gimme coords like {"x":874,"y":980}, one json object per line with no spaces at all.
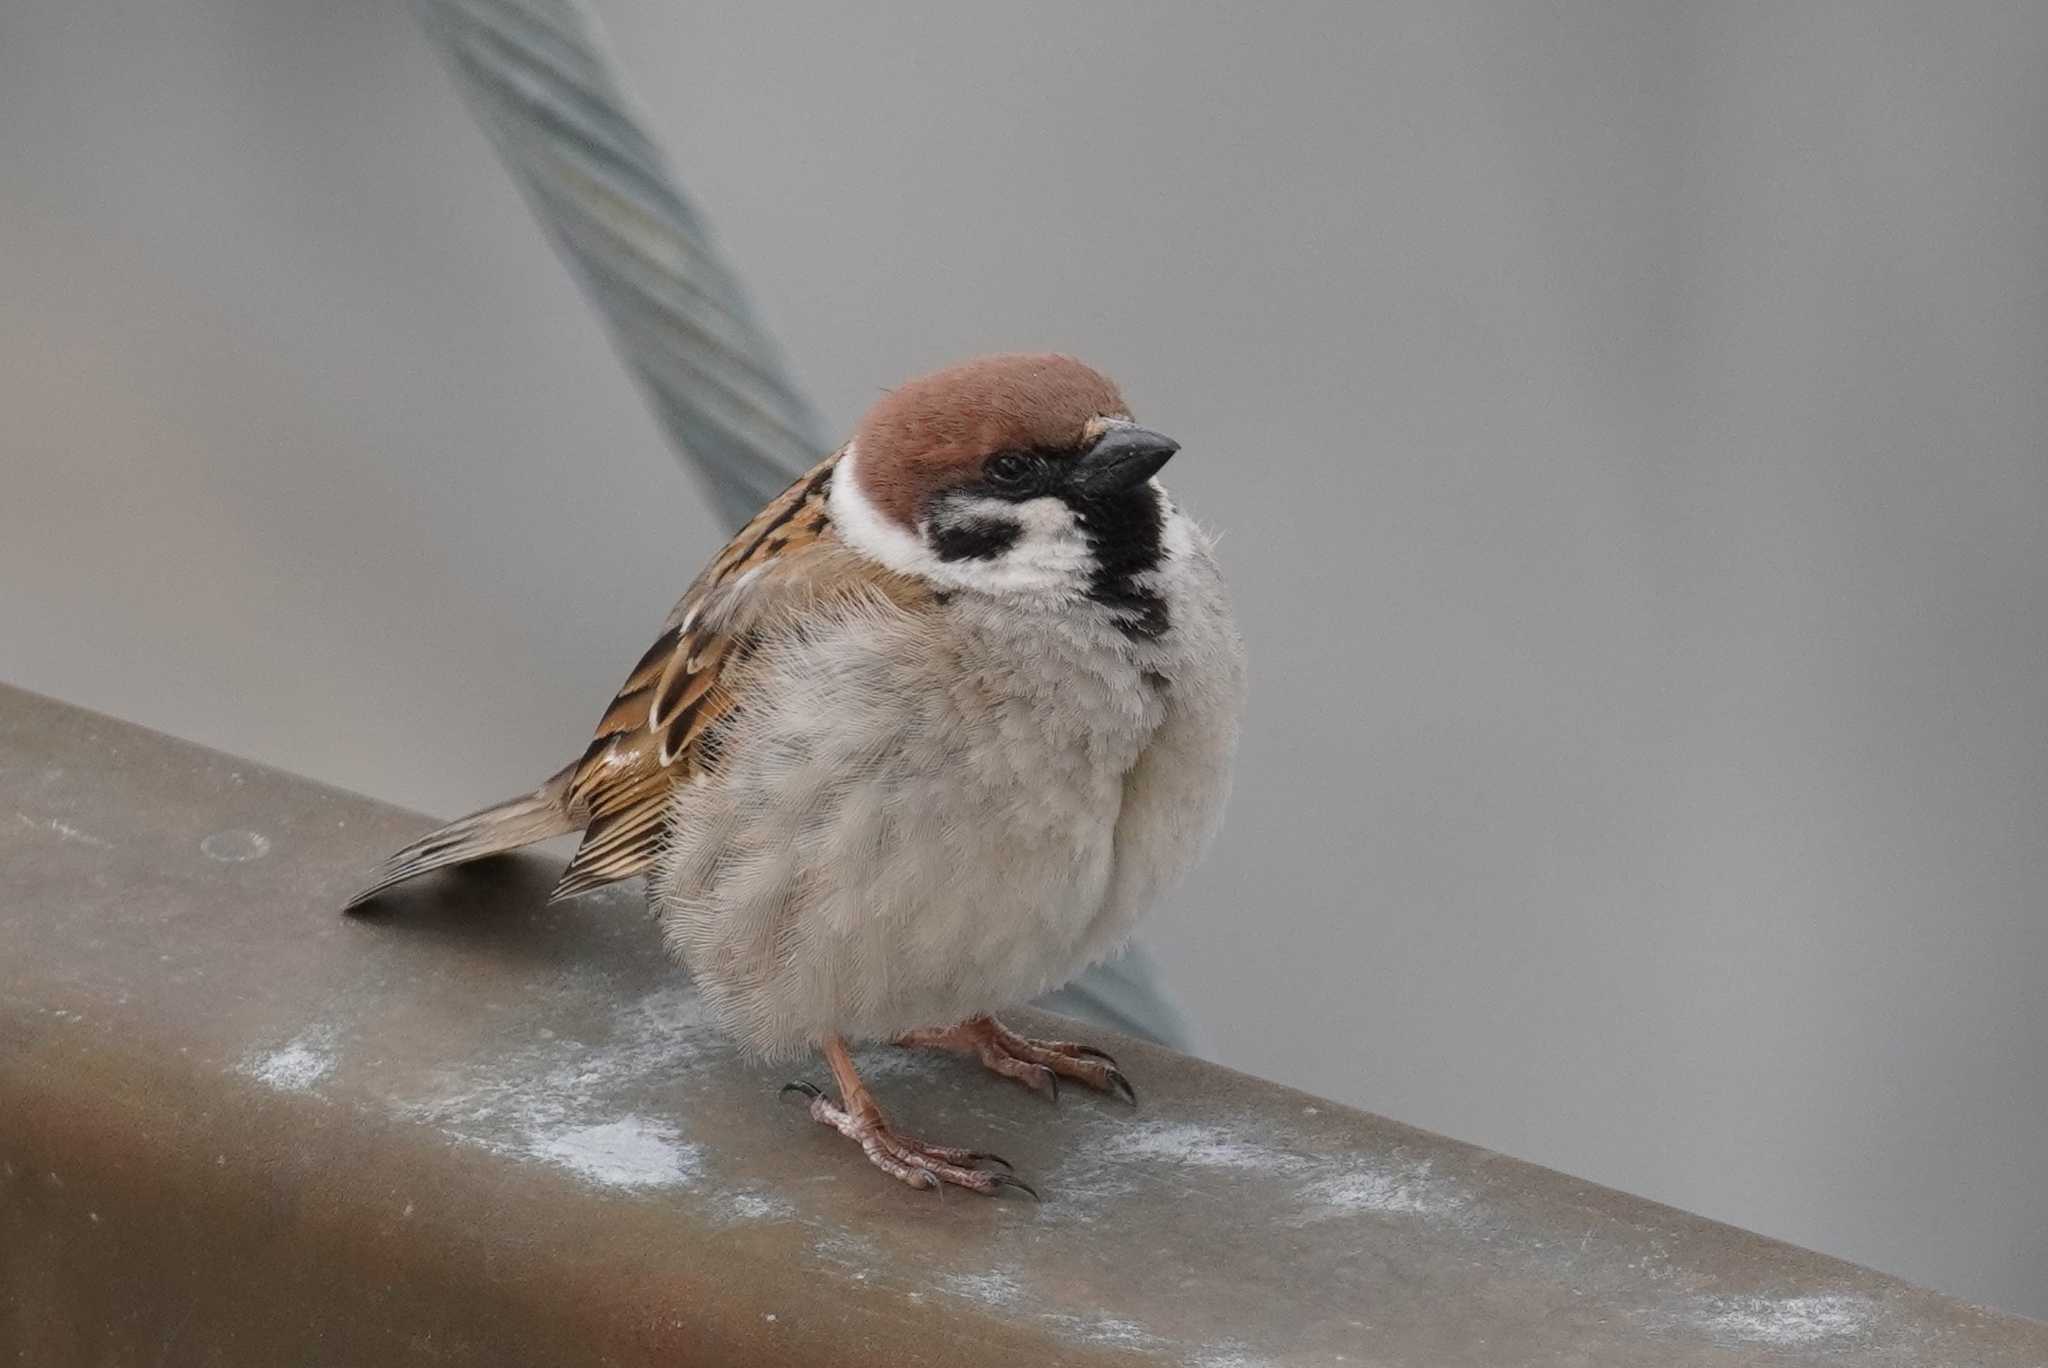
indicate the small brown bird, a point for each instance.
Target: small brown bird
{"x":922,"y":742}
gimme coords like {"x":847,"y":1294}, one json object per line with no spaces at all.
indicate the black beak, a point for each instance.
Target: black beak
{"x":1124,"y":458}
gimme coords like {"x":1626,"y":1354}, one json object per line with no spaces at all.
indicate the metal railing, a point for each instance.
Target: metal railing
{"x":237,"y":1127}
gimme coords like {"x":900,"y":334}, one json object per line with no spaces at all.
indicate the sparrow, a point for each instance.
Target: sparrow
{"x":923,"y":741}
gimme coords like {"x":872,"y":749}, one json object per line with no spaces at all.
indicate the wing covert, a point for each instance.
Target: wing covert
{"x":661,"y":727}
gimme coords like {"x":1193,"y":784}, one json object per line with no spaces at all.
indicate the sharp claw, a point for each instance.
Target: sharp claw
{"x":810,"y":1090}
{"x":1003,"y":1180}
{"x":1091,"y":1052}
{"x":1052,"y":1085}
{"x":1123,"y":1085}
{"x":978,"y":1157}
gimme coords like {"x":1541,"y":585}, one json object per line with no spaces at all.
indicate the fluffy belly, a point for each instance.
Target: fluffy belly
{"x":913,"y":826}
{"x":888,"y":849}
{"x":884,"y":903}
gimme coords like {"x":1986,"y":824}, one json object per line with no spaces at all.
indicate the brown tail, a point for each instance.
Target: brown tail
{"x":506,"y":826}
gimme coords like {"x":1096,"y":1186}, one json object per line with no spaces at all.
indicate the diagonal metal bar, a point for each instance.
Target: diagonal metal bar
{"x":536,"y":75}
{"x":540,"y":81}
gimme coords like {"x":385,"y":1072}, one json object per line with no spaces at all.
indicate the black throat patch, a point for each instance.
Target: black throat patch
{"x":1126,"y":531}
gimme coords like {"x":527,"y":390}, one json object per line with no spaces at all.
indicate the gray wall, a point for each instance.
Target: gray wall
{"x":1627,"y":423}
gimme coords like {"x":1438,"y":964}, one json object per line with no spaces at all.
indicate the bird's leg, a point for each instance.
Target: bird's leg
{"x":1037,"y":1064}
{"x":903,"y":1157}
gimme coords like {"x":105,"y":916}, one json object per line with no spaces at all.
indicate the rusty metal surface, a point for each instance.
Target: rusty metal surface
{"x":237,"y":1128}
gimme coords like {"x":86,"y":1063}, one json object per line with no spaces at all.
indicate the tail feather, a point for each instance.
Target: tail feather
{"x":505,"y":826}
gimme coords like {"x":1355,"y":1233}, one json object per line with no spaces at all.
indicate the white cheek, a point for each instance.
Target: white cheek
{"x":864,"y":528}
{"x":1051,"y":557}
{"x":1047,"y":519}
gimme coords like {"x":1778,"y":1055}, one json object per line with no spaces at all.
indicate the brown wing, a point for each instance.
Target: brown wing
{"x":662,"y":728}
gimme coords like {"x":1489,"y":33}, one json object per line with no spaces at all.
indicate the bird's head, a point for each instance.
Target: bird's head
{"x":1016,"y":474}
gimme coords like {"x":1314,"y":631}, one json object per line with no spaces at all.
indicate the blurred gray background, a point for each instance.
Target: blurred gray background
{"x":1627,"y":423}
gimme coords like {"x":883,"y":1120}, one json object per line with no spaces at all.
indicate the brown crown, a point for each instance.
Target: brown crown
{"x":934,"y":432}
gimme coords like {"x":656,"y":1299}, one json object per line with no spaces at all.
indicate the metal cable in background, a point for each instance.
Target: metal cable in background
{"x":537,"y":76}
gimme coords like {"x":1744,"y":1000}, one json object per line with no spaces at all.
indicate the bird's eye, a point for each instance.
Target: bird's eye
{"x":1009,"y":469}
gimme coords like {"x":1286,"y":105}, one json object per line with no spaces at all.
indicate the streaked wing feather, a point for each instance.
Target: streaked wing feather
{"x":650,"y":738}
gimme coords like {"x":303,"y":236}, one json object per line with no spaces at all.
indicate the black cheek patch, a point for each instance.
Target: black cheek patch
{"x":975,"y":540}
